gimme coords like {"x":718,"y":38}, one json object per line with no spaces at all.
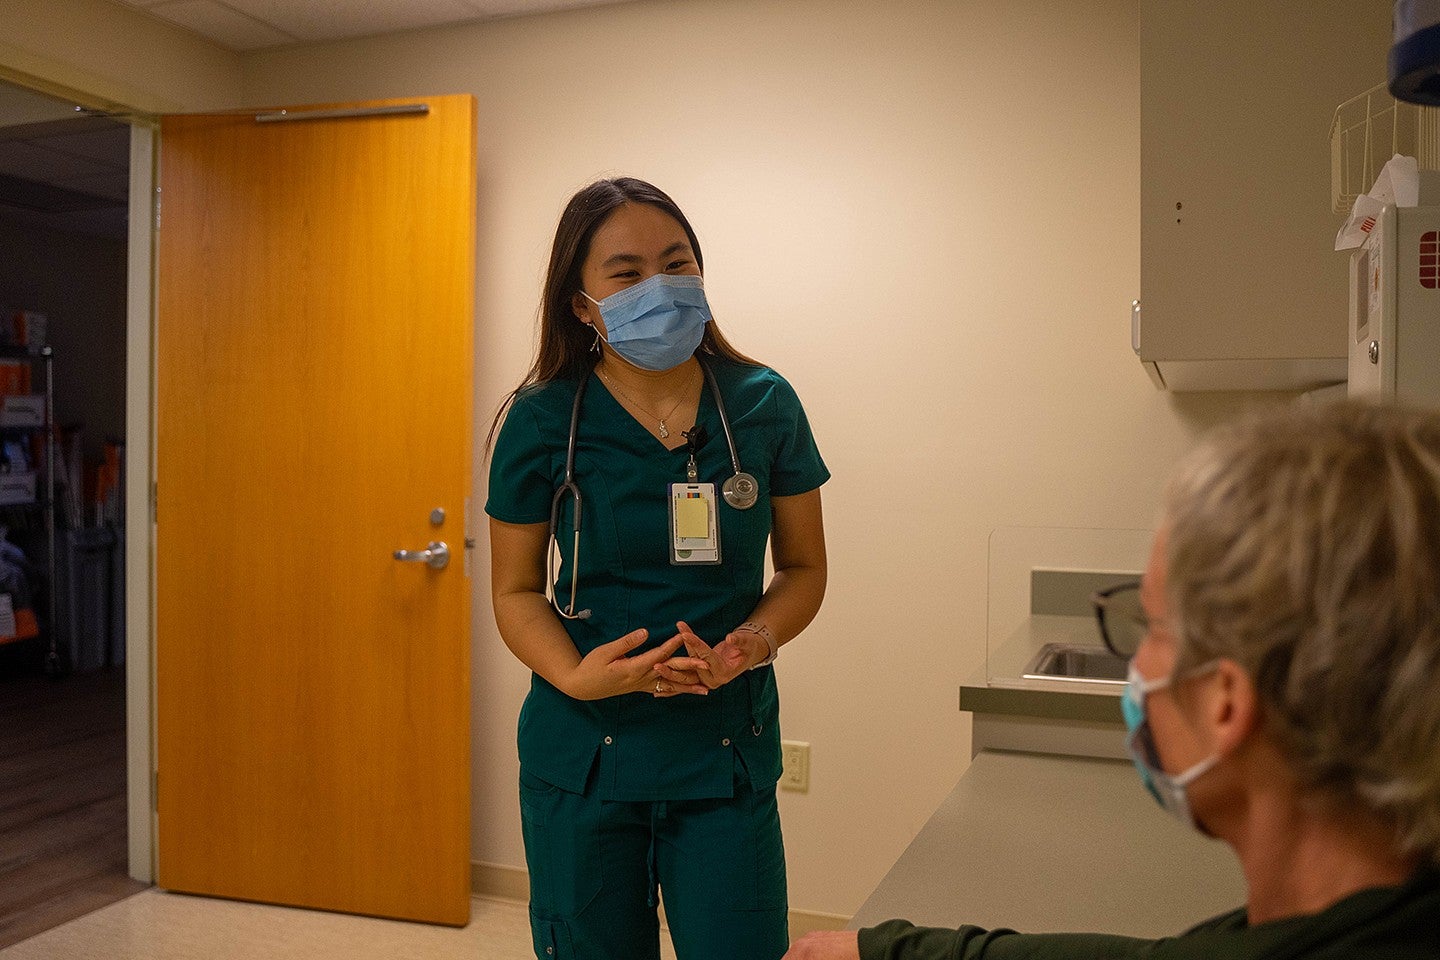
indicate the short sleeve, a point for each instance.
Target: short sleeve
{"x":797,"y":467}
{"x":520,"y":482}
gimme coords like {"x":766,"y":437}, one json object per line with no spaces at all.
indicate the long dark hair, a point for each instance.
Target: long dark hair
{"x":565,"y":343}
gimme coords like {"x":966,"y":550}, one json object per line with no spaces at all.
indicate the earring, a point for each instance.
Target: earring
{"x":595,"y":347}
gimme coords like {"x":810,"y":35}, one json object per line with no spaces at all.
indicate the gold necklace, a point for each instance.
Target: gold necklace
{"x":664,"y":430}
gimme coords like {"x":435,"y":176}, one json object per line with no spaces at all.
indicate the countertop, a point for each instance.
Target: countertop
{"x":1054,"y":843}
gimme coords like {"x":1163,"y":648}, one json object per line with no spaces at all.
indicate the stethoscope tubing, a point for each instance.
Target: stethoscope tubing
{"x":724,"y":417}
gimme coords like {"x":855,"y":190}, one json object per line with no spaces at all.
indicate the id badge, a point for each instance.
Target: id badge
{"x":694,"y":524}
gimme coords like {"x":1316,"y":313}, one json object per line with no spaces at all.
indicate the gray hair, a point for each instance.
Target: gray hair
{"x":1304,"y":544}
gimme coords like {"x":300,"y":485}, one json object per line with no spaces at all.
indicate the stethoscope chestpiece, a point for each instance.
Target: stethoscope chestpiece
{"x":740,"y":491}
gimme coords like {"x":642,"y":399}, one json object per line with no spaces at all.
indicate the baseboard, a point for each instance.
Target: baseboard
{"x":499,"y":882}
{"x":807,"y":921}
{"x":513,"y":883}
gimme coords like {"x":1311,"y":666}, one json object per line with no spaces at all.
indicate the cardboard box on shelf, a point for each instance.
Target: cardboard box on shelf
{"x":17,"y":487}
{"x":22,"y":410}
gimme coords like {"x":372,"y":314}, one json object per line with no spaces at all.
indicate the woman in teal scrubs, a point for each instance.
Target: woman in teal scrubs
{"x":649,"y":742}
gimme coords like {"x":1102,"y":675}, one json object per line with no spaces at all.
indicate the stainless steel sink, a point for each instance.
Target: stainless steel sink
{"x":1069,"y":661}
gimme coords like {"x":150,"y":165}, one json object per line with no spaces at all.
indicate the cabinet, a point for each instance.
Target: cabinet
{"x":1240,"y":288}
{"x":27,"y":495}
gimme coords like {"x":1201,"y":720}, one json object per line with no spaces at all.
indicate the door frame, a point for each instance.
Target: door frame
{"x":139,"y":477}
{"x":140,"y":414}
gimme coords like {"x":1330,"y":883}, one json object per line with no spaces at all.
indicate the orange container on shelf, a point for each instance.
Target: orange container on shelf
{"x":26,"y":625}
{"x":14,"y":377}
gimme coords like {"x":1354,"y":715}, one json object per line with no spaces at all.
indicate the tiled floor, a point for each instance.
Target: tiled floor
{"x":154,"y":925}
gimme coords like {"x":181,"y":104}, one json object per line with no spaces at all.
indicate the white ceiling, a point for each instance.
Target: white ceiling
{"x":257,"y":24}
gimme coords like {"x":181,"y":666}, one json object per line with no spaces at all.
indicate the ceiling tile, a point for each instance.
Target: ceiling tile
{"x":334,"y":19}
{"x":511,"y":8}
{"x":222,"y":24}
{"x":255,"y":24}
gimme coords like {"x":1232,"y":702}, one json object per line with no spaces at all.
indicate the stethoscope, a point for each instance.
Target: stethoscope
{"x":740,"y":490}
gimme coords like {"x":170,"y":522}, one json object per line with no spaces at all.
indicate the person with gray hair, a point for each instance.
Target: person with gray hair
{"x":1284,"y":694}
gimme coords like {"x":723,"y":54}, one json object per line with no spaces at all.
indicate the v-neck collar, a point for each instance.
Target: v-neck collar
{"x":707,"y":401}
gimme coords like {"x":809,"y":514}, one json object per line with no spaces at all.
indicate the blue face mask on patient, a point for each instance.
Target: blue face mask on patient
{"x":658,"y":323}
{"x":1167,"y":789}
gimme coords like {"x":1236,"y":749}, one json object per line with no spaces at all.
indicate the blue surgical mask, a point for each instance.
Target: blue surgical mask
{"x":658,"y":323}
{"x":1167,"y":789}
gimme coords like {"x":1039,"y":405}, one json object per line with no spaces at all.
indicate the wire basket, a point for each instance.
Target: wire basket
{"x":1367,"y":131}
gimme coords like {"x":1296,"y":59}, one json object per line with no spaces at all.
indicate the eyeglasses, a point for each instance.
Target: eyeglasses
{"x":1121,"y":618}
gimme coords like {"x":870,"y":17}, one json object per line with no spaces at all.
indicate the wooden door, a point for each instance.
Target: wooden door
{"x":314,"y":354}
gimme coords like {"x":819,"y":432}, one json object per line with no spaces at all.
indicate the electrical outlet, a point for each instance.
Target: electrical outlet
{"x":795,"y":766}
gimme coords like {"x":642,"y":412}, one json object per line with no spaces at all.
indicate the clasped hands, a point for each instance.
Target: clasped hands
{"x":707,"y":667}
{"x":609,"y":670}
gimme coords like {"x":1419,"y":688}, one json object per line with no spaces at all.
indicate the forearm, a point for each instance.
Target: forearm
{"x":797,"y":547}
{"x":790,"y":601}
{"x":533,"y":632}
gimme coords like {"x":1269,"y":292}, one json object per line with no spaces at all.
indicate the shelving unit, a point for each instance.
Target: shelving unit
{"x":42,"y":359}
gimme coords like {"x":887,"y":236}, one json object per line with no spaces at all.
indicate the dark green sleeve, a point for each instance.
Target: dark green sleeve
{"x":520,"y":490}
{"x":901,"y":940}
{"x":797,"y":466}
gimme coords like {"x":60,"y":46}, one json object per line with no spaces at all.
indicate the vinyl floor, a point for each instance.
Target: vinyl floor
{"x":155,"y":925}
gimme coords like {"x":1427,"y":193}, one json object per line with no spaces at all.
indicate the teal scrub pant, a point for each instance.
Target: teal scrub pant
{"x":595,"y":866}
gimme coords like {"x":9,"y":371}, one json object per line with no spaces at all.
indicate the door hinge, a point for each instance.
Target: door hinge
{"x":154,"y":502}
{"x":155,"y":791}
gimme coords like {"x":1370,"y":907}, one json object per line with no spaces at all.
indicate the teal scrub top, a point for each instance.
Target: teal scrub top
{"x":636,"y":746}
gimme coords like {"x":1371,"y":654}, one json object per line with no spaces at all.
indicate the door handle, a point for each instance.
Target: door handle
{"x":436,"y":556}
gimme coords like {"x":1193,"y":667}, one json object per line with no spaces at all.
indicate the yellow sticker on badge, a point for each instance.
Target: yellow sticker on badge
{"x":692,"y":518}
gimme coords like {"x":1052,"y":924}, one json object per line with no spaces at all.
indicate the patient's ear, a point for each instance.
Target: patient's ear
{"x":1233,"y":708}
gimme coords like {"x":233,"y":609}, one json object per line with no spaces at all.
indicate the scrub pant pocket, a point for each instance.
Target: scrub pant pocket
{"x":562,"y":851}
{"x":552,"y":939}
{"x":589,"y":876}
{"x":722,"y":875}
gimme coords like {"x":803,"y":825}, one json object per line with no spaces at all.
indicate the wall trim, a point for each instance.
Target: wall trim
{"x":499,"y":882}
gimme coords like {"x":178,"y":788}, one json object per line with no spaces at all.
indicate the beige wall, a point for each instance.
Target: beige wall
{"x":925,"y":213}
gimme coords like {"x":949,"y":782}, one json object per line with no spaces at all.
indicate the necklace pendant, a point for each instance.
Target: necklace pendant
{"x":664,"y":431}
